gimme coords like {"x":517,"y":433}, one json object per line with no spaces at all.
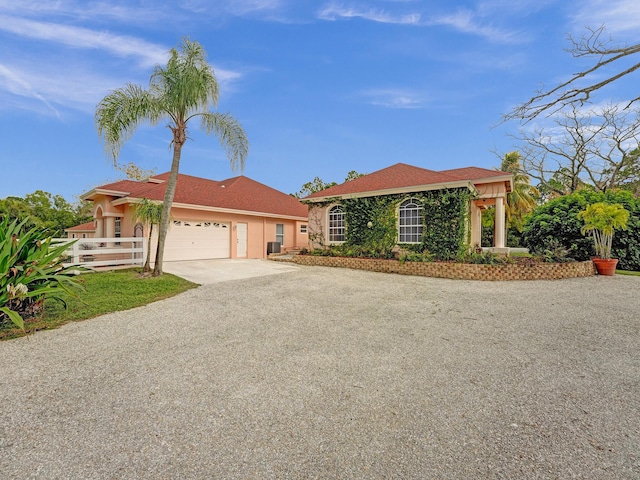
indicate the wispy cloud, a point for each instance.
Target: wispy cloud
{"x":336,"y":12}
{"x":85,"y":10}
{"x":619,"y":16}
{"x":394,"y":98}
{"x":80,"y":37}
{"x":40,"y":82}
{"x":17,"y":84}
{"x":463,"y":20}
{"x":264,"y":9}
{"x":466,"y":21}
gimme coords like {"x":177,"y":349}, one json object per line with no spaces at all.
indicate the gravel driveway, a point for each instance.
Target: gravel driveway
{"x":330,"y":373}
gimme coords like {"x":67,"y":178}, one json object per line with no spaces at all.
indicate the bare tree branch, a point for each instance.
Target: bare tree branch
{"x":551,"y":101}
{"x":595,"y":147}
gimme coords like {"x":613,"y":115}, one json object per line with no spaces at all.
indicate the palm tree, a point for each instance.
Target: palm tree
{"x":186,"y":88}
{"x":523,"y":199}
{"x":148,"y":212}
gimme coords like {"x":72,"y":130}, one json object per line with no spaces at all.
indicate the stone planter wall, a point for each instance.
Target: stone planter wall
{"x":456,"y":271}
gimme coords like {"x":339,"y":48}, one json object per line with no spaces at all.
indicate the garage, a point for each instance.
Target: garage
{"x":197,"y":240}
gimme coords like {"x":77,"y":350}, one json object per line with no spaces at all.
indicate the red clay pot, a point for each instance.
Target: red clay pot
{"x":605,"y":266}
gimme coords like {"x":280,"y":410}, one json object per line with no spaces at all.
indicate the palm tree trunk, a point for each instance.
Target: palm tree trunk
{"x":178,"y":141}
{"x":147,"y":263}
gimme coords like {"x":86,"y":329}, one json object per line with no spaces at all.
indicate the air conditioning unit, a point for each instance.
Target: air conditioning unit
{"x":273,"y":247}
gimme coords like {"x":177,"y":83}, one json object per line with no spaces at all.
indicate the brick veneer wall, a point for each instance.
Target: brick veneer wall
{"x":456,"y":271}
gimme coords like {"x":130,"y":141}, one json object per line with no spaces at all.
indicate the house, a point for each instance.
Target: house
{"x":410,"y":206}
{"x":85,"y":230}
{"x":233,"y":218}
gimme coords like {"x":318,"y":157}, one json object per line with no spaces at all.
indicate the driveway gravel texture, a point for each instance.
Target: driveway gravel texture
{"x":331,"y":373}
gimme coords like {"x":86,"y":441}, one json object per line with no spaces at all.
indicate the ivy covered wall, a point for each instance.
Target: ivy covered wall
{"x":372,"y":223}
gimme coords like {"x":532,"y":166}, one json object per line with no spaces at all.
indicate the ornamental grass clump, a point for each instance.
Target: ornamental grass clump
{"x":601,"y":220}
{"x":30,"y":270}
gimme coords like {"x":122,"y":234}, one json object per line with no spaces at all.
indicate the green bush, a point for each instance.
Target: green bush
{"x":30,"y":270}
{"x":556,"y":224}
{"x":412,"y":256}
{"x":484,"y":258}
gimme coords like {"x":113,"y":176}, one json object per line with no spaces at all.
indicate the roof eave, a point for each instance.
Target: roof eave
{"x":102,"y":191}
{"x":508,"y":179}
{"x":236,"y":211}
{"x":130,"y":200}
{"x":392,"y":191}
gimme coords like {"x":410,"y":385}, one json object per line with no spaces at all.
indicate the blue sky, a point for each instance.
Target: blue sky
{"x":321,"y":87}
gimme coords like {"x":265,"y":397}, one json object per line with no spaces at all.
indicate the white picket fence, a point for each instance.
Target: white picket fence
{"x":105,"y":252}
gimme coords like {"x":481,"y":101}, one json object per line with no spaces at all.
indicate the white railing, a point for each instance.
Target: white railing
{"x":103,"y":252}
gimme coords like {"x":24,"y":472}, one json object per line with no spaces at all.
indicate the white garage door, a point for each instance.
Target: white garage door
{"x":193,"y":240}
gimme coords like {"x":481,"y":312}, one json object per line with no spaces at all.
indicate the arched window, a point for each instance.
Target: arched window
{"x":410,"y":222}
{"x":336,"y":224}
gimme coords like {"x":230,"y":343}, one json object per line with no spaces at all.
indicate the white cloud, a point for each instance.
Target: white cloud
{"x":85,"y":10}
{"x":394,"y":98}
{"x":619,"y":16}
{"x":468,"y":22}
{"x":233,"y":7}
{"x":335,"y":12}
{"x":80,"y":37}
{"x":463,"y":20}
{"x":17,"y":84}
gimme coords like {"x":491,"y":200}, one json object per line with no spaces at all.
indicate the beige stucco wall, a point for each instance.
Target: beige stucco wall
{"x":488,"y":194}
{"x":260,"y":230}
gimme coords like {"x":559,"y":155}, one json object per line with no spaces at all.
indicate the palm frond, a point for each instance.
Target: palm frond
{"x":232,"y":136}
{"x":187,"y":84}
{"x":119,"y":114}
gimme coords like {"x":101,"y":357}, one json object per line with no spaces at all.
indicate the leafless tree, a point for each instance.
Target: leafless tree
{"x":596,"y":44}
{"x":596,"y":147}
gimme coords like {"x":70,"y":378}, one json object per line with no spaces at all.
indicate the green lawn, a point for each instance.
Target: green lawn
{"x":104,"y":292}
{"x":628,"y":272}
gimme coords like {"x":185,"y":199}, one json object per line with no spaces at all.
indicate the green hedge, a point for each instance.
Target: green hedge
{"x":372,"y":223}
{"x":557,"y":222}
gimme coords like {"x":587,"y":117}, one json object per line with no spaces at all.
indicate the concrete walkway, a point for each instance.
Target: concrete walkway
{"x":324,"y":373}
{"x":206,"y":272}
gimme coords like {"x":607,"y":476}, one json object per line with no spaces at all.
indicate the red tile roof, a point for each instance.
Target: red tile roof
{"x":402,"y":175}
{"x":237,"y":193}
{"x":474,"y":173}
{"x":84,"y":227}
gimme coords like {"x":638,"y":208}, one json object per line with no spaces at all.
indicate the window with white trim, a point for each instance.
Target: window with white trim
{"x":118,"y":229}
{"x":337,"y":224}
{"x":280,"y":233}
{"x":303,"y":228}
{"x":410,"y":221}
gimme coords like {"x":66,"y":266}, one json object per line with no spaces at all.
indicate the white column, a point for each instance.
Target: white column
{"x":110,"y":229}
{"x":99,"y":227}
{"x":499,"y":226}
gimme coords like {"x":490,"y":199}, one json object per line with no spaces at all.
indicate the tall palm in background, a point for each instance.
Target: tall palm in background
{"x":523,"y":199}
{"x":185,"y":89}
{"x":150,"y":213}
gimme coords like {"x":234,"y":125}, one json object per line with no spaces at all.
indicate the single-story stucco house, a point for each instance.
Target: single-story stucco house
{"x":411,"y":202}
{"x":232,"y":218}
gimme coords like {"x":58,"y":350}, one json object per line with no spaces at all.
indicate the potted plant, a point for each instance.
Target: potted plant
{"x":601,"y":220}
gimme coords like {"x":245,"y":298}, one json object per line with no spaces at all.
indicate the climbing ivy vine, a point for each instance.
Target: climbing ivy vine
{"x":447,"y":227}
{"x":372,"y":224}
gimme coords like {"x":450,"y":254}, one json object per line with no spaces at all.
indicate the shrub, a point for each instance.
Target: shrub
{"x":557,"y":220}
{"x":601,"y":220}
{"x":411,"y":256}
{"x":30,"y":270}
{"x":485,"y":258}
